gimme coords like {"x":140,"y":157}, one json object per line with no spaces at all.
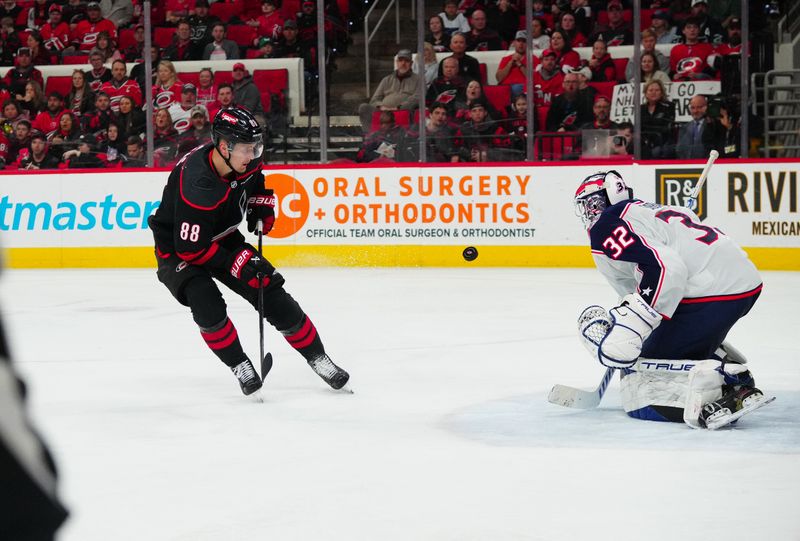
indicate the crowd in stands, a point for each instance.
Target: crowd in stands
{"x":99,"y":120}
{"x":468,"y":120}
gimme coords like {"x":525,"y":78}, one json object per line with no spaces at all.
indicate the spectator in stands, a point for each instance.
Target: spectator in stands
{"x":74,"y":12}
{"x":566,"y":58}
{"x":482,"y":139}
{"x":199,"y":132}
{"x":474,"y":93}
{"x":106,"y":46}
{"x":694,"y":139}
{"x":182,"y":47}
{"x":601,"y":110}
{"x":11,"y":115}
{"x":121,"y":85}
{"x":648,"y":46}
{"x":688,"y":60}
{"x":468,"y":67}
{"x":97,"y":120}
{"x":135,"y":51}
{"x":658,"y":119}
{"x":584,"y":74}
{"x":206,"y":90}
{"x":83,"y":157}
{"x":726,"y":138}
{"x":569,"y":110}
{"x":437,"y":37}
{"x":540,"y":39}
{"x":200,"y":24}
{"x":223,"y":101}
{"x":504,"y":18}
{"x":178,"y":10}
{"x":68,"y":128}
{"x":513,"y":69}
{"x":38,"y":157}
{"x":9,"y":41}
{"x":33,"y":102}
{"x":99,"y":74}
{"x":119,"y":12}
{"x":80,"y":98}
{"x":138,"y":74}
{"x":47,"y":121}
{"x":220,"y":48}
{"x":270,"y":23}
{"x":265,"y":48}
{"x":398,"y":90}
{"x":448,"y":89}
{"x":113,"y":146}
{"x":247,"y":94}
{"x":617,"y":31}
{"x":650,"y":71}
{"x":40,"y":55}
{"x":180,"y":112}
{"x":135,"y":154}
{"x":439,"y":136}
{"x":601,"y":65}
{"x":55,"y":31}
{"x":517,"y":126}
{"x":481,"y":38}
{"x":84,"y":36}
{"x":622,"y":143}
{"x":165,"y":138}
{"x":291,"y":47}
{"x":538,"y":9}
{"x":574,"y":36}
{"x":168,"y":88}
{"x":710,"y":29}
{"x":36,"y":15}
{"x":130,"y":118}
{"x":548,"y":79}
{"x":454,"y":21}
{"x":383,"y":143}
{"x":661,"y":25}
{"x":19,"y":139}
{"x":431,"y":65}
{"x":9,"y":8}
{"x":23,"y":71}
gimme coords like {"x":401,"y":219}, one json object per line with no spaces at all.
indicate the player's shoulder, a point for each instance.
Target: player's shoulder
{"x":200,"y":186}
{"x":627,"y":214}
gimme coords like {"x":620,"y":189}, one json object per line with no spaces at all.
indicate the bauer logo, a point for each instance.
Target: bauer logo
{"x":291,"y":202}
{"x":675,"y":186}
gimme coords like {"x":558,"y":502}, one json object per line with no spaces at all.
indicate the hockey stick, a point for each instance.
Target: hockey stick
{"x":572,"y":397}
{"x":691,"y":202}
{"x":266,"y":360}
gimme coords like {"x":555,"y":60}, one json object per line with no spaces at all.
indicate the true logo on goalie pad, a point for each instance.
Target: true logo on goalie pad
{"x":675,"y":186}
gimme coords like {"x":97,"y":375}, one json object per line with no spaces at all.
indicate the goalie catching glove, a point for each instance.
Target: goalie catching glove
{"x":631,"y":324}
{"x":261,"y":207}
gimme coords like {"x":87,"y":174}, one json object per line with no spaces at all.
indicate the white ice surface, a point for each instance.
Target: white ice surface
{"x":447,"y":437}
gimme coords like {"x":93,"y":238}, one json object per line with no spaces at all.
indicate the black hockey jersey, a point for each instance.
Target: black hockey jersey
{"x":199,"y":208}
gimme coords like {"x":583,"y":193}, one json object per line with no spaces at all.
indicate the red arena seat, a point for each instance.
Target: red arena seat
{"x":402,"y":117}
{"x":162,"y":36}
{"x":225,"y":11}
{"x":58,"y":83}
{"x":498,"y":95}
{"x":242,"y":34}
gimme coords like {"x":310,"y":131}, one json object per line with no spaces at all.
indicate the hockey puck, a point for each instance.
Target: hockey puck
{"x":470,"y":253}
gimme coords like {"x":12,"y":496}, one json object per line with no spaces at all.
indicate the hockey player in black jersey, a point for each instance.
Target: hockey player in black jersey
{"x":197,"y":244}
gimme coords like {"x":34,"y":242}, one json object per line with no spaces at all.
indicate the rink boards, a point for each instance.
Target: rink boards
{"x":393,"y":215}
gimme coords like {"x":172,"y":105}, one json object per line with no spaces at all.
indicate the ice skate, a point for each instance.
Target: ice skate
{"x":334,"y":376}
{"x":737,"y":402}
{"x":248,"y":378}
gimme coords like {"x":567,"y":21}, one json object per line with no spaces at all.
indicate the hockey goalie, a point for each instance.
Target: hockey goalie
{"x":683,"y":285}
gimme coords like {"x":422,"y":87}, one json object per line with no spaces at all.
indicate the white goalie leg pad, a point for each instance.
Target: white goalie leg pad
{"x":704,"y":386}
{"x":633,"y":321}
{"x":593,"y":325}
{"x":730,"y":354}
{"x":655,"y":382}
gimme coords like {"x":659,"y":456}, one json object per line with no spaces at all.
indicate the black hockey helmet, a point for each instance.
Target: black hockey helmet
{"x":237,"y":125}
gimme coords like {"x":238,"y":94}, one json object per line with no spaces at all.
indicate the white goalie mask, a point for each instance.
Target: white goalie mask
{"x":598,"y":191}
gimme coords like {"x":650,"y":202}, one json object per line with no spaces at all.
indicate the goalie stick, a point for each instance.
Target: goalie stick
{"x":572,"y":397}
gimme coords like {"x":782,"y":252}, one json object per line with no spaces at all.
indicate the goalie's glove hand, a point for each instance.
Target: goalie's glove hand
{"x":248,"y":266}
{"x":261,"y":207}
{"x":631,"y":324}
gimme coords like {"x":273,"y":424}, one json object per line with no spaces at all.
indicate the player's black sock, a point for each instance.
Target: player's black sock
{"x":223,"y":340}
{"x":304,"y":338}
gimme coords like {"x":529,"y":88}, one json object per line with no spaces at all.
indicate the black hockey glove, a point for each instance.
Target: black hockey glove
{"x":247,"y":265}
{"x":261,"y":207}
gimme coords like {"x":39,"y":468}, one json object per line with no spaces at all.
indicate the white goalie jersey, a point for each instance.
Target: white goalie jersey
{"x":668,"y":256}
